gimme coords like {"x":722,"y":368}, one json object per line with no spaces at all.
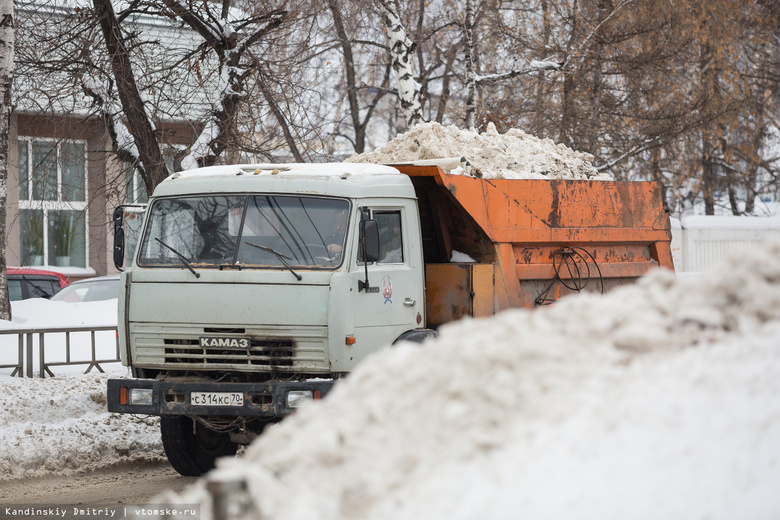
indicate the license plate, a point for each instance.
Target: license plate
{"x":217,"y":399}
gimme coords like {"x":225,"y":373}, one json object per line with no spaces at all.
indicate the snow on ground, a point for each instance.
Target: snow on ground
{"x":657,"y":400}
{"x":513,"y":155}
{"x":38,"y":313}
{"x":60,"y":425}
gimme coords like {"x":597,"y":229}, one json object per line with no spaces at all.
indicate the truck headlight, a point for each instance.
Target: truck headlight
{"x":141,"y":396}
{"x":296,"y":398}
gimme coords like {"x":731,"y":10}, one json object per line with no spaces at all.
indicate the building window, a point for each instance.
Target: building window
{"x":53,"y":203}
{"x":135,"y":189}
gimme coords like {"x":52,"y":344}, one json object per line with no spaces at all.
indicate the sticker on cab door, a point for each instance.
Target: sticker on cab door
{"x":387,"y":288}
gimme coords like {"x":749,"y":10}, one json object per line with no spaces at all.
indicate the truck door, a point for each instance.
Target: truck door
{"x":394,"y":302}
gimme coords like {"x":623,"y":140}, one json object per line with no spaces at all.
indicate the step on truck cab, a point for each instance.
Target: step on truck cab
{"x":255,"y":288}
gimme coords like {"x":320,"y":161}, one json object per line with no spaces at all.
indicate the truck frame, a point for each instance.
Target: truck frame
{"x":255,"y":288}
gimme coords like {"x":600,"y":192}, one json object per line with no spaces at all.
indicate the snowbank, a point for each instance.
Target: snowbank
{"x":41,"y":313}
{"x":657,"y":400}
{"x":61,"y":426}
{"x":513,"y":155}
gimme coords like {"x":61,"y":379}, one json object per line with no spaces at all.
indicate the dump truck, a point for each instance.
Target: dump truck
{"x":255,"y":288}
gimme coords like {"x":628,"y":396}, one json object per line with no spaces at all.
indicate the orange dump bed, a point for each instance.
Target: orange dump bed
{"x":539,"y":239}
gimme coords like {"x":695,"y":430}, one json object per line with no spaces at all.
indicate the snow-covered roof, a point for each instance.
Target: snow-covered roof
{"x":176,"y":93}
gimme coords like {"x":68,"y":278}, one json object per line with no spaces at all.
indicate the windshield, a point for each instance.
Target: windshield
{"x":259,"y":230}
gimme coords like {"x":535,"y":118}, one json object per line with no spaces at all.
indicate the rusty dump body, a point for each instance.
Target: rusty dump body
{"x":533,"y":241}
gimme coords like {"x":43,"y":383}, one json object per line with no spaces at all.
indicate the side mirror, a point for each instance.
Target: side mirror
{"x":369,"y":241}
{"x":119,"y":238}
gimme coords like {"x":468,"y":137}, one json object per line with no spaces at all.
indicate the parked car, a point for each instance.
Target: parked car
{"x":24,"y":283}
{"x":90,"y":290}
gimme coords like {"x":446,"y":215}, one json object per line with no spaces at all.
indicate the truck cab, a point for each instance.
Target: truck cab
{"x":250,"y":292}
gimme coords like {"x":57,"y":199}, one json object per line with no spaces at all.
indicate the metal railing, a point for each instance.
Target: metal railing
{"x":26,"y":345}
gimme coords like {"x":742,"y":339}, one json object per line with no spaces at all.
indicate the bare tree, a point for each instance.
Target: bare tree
{"x":141,"y":128}
{"x":230,"y":41}
{"x":360,"y":114}
{"x":682,"y":92}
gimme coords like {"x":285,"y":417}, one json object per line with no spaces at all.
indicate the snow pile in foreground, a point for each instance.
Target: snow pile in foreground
{"x":60,"y":425}
{"x":657,"y":400}
{"x":513,"y":155}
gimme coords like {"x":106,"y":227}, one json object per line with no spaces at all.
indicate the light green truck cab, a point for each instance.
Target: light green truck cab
{"x":247,"y":296}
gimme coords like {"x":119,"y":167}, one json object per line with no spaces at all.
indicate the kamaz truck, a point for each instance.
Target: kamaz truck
{"x":255,"y":288}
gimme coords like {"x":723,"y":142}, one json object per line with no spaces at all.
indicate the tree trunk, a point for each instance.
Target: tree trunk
{"x":132,"y":104}
{"x":708,"y":178}
{"x":444,"y":97}
{"x":402,"y":52}
{"x":349,"y":70}
{"x":279,"y":115}
{"x":568,"y":86}
{"x":471,"y":74}
{"x":6,"y":78}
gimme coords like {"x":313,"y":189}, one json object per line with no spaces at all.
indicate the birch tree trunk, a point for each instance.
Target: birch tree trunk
{"x":6,"y":77}
{"x":402,"y":53}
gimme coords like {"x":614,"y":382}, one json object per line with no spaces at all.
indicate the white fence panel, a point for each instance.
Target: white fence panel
{"x":700,"y":242}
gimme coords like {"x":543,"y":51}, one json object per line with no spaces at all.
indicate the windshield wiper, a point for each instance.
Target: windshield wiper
{"x":280,"y":256}
{"x":183,"y":258}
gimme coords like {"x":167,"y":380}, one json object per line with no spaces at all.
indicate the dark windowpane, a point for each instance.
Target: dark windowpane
{"x":24,"y":181}
{"x":44,"y":171}
{"x":73,"y":179}
{"x":31,"y":236}
{"x":15,"y":290}
{"x":40,"y":288}
{"x":135,"y":190}
{"x":67,"y":238}
{"x":390,"y":242}
{"x":197,"y":228}
{"x":306,"y":231}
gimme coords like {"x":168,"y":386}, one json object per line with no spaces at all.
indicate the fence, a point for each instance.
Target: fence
{"x":25,"y":359}
{"x":700,"y":242}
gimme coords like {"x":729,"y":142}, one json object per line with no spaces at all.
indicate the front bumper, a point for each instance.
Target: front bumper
{"x":261,"y":400}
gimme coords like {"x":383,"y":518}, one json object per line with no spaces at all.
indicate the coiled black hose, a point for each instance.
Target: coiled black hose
{"x":577,"y":263}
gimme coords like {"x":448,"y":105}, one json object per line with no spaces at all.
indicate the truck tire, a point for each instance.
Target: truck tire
{"x":192,"y":453}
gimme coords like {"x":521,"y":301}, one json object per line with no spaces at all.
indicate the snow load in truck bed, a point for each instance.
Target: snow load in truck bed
{"x":513,"y":155}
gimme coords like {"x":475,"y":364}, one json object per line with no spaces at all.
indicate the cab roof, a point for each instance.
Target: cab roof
{"x":332,"y":179}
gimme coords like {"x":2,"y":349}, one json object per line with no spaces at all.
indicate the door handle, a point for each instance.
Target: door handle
{"x":409,"y":302}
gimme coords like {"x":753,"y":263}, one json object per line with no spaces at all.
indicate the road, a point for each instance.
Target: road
{"x":137,"y":483}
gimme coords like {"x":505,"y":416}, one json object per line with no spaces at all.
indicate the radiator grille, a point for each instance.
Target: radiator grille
{"x":271,"y":349}
{"x":273,"y":353}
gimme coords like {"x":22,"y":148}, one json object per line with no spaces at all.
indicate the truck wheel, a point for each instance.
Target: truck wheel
{"x":192,"y":453}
